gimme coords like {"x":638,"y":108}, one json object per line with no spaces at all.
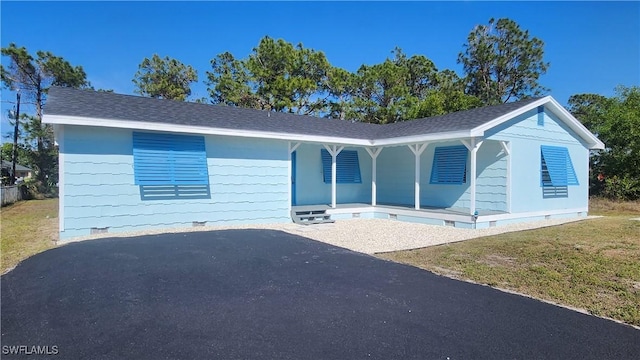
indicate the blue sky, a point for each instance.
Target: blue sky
{"x":592,"y":46}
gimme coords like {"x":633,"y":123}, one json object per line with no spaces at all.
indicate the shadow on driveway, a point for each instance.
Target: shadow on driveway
{"x":258,"y":294}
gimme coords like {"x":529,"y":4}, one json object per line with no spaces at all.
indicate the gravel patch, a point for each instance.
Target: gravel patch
{"x":380,"y":235}
{"x":368,"y":235}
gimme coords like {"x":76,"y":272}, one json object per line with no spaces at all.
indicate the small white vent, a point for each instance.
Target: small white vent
{"x":393,"y":216}
{"x":355,"y":215}
{"x":97,"y":230}
{"x":199,"y":223}
{"x":492,"y":224}
{"x":450,"y":223}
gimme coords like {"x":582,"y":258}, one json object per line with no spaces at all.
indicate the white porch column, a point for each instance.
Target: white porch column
{"x":473,"y":145}
{"x":417,"y":150}
{"x":374,"y":152}
{"x":292,"y":147}
{"x":506,"y":146}
{"x":333,"y":150}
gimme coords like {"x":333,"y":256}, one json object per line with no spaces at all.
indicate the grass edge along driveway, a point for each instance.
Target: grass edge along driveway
{"x":592,"y":265}
{"x":27,"y":228}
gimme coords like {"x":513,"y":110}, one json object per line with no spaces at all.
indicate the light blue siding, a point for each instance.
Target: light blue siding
{"x":396,"y":176}
{"x":441,"y":195}
{"x":491,"y":183}
{"x":249,"y":183}
{"x":396,"y":179}
{"x":526,"y":137}
{"x":449,"y":165}
{"x":310,"y":186}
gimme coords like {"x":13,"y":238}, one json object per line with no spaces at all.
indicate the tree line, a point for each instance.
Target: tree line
{"x":501,"y":63}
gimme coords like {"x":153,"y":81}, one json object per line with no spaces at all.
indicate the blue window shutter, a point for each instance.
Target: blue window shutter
{"x":556,"y":167}
{"x":326,"y":166}
{"x":572,"y":179}
{"x":449,"y":165}
{"x":347,"y":167}
{"x":541,"y":115}
{"x":169,"y":159}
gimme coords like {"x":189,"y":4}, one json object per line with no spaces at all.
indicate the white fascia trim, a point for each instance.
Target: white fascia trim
{"x":453,"y":217}
{"x":565,"y":116}
{"x":416,"y":139}
{"x":531,"y":214}
{"x":404,"y":212}
{"x":139,"y":125}
{"x":577,"y":126}
{"x":363,"y":209}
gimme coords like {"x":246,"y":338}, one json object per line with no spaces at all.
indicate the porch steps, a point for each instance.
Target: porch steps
{"x":309,"y":215}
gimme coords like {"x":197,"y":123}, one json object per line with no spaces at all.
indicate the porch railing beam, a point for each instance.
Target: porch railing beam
{"x":374,"y":152}
{"x":333,"y":150}
{"x":417,"y":150}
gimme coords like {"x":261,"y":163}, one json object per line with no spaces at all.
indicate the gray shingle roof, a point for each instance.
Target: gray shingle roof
{"x":103,"y":105}
{"x":9,"y":165}
{"x":457,"y":121}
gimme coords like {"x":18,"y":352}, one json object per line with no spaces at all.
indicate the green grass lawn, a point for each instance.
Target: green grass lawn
{"x":592,"y":264}
{"x":27,"y":228}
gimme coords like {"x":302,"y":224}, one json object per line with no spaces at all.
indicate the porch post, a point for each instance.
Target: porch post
{"x":333,"y":150}
{"x":506,"y":146}
{"x":473,"y":147}
{"x":292,"y":147}
{"x":417,"y":150}
{"x":374,"y":152}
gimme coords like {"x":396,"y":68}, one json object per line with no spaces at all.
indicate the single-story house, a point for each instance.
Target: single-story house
{"x":22,"y":172}
{"x":133,"y":163}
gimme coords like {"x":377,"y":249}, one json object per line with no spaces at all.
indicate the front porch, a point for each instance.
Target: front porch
{"x":439,"y":183}
{"x":456,"y":217}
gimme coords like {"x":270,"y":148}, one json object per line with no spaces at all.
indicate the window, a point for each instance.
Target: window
{"x":169,"y":166}
{"x":556,"y":171}
{"x":347,"y":167}
{"x":168,"y":159}
{"x":540,"y":115}
{"x":449,"y":165}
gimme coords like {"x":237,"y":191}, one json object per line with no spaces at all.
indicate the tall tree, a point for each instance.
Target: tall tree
{"x":405,"y":88}
{"x":230,"y":83}
{"x":279,"y":76}
{"x":276,"y":76}
{"x":502,"y":62}
{"x":33,"y":76}
{"x":615,"y":171}
{"x":164,"y":78}
{"x":287,"y":77}
{"x":340,"y":88}
{"x":446,"y":96}
{"x":382,"y":94}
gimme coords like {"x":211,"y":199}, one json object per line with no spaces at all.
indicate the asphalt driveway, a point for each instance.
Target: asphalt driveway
{"x":260,"y":294}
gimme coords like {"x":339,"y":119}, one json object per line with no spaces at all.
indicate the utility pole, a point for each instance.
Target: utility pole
{"x":15,"y":138}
